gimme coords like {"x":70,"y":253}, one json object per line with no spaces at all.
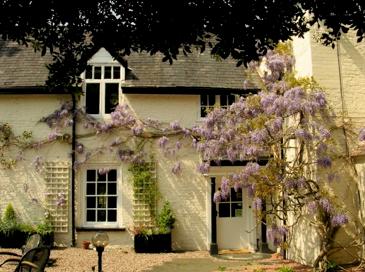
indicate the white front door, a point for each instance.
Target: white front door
{"x":235,"y":222}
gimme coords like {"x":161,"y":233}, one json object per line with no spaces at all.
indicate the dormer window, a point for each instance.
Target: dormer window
{"x":103,"y":77}
{"x":102,"y":88}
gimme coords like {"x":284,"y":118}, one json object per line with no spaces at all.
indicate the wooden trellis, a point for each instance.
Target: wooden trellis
{"x":57,"y":177}
{"x":144,"y":202}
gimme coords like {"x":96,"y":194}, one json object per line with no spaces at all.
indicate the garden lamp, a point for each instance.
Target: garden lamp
{"x":100,"y":240}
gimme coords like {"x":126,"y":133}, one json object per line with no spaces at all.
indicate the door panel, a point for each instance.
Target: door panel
{"x":235,"y":221}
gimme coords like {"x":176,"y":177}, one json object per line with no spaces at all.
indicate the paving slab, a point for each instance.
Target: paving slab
{"x":218,"y":263}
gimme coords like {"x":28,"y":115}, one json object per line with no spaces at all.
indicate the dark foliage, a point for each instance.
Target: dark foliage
{"x":241,"y":29}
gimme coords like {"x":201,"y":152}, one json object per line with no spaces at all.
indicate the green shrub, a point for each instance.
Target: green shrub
{"x":165,"y":219}
{"x":332,"y":266}
{"x":9,"y":223}
{"x":285,"y":269}
{"x":46,"y":226}
{"x":9,"y":214}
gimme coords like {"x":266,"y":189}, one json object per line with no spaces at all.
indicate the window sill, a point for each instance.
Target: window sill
{"x":90,"y":229}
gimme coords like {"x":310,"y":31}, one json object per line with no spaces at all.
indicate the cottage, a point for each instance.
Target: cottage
{"x":91,"y":189}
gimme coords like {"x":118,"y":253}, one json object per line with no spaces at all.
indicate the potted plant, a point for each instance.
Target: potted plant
{"x":12,"y":233}
{"x":85,"y":244}
{"x":46,"y":230}
{"x":157,"y":239}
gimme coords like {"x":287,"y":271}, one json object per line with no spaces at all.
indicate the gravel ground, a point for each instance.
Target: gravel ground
{"x":114,"y":260}
{"x":125,"y":260}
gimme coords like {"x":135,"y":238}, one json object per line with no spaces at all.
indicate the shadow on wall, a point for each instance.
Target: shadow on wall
{"x":355,"y":55}
{"x":187,"y":193}
{"x":24,"y":188}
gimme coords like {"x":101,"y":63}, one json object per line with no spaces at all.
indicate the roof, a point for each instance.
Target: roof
{"x":195,"y":70}
{"x":21,"y":68}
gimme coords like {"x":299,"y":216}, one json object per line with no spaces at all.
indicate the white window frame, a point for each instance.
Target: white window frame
{"x":99,"y":225}
{"x":231,"y":202}
{"x":102,"y":83}
{"x":216,"y":104}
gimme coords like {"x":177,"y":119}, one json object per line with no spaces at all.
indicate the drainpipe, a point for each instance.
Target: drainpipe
{"x":73,"y":158}
{"x":213,"y":242}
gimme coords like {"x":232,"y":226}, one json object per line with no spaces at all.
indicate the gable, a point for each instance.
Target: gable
{"x":102,"y":56}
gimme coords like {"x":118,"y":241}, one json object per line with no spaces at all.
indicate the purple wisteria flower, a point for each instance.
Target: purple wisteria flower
{"x":203,"y":167}
{"x":103,"y":171}
{"x":303,"y":134}
{"x":339,"y":220}
{"x":225,"y":188}
{"x":324,"y":162}
{"x":324,"y":133}
{"x":251,"y":190}
{"x":325,"y":205}
{"x":175,"y":125}
{"x":125,"y":155}
{"x":217,"y":197}
{"x":312,"y":207}
{"x":320,"y":98}
{"x":362,"y":134}
{"x":54,"y":135}
{"x":252,"y":168}
{"x":178,"y":145}
{"x":237,"y":185}
{"x":176,"y":169}
{"x":38,"y":163}
{"x":257,"y":204}
{"x":162,"y":142}
{"x":61,"y":200}
{"x":276,"y":234}
{"x":259,"y":136}
{"x":137,"y":130}
{"x":294,"y":183}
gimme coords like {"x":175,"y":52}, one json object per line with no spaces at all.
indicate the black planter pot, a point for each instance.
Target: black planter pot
{"x":14,"y":239}
{"x":155,"y":243}
{"x":48,"y":239}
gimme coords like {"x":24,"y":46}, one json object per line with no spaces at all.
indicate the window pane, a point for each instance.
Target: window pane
{"x":92,"y":98}
{"x":112,"y":175}
{"x":223,"y":209}
{"x":90,"y":175}
{"x":236,"y":209}
{"x":223,"y":100}
{"x":107,"y":72}
{"x":97,"y":72}
{"x":101,"y":188}
{"x":101,"y":201}
{"x":112,"y":188}
{"x":111,"y":96}
{"x":112,"y":202}
{"x":89,"y":72}
{"x":101,"y":215}
{"x":91,"y":202}
{"x":211,"y":99}
{"x":90,"y":215}
{"x":203,"y":111}
{"x":90,"y":188}
{"x":236,"y":196}
{"x":203,"y":100}
{"x":101,"y":177}
{"x":116,"y":72}
{"x":231,"y":99}
{"x":112,"y":216}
